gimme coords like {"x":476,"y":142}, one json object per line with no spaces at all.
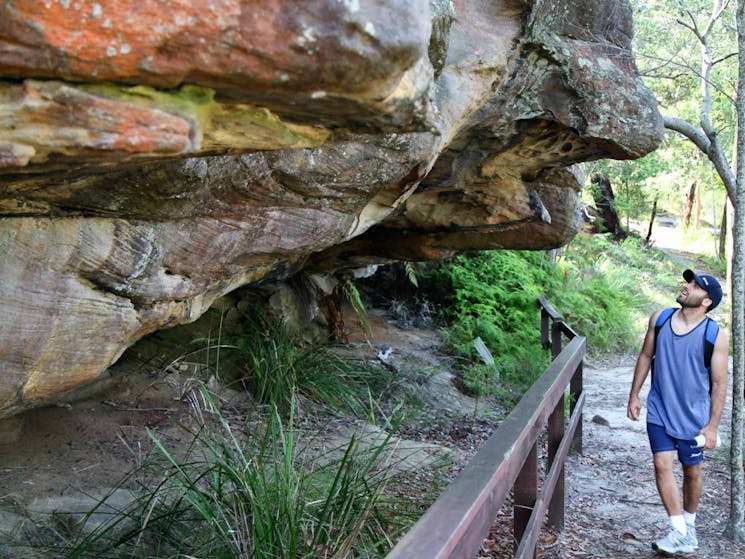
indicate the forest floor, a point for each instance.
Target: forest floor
{"x":65,"y":458}
{"x":68,"y":456}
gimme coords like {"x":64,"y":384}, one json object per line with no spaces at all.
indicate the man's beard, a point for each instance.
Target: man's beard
{"x":688,"y":302}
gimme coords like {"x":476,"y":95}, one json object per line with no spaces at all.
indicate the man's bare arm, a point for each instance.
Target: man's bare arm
{"x":641,"y":370}
{"x":718,"y":388}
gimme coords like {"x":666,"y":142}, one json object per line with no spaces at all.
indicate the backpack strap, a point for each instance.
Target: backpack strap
{"x":664,"y":317}
{"x":661,"y":320}
{"x":710,"y":338}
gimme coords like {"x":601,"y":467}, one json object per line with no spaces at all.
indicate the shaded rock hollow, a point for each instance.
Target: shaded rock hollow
{"x":155,"y":155}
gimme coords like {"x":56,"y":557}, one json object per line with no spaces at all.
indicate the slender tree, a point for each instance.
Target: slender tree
{"x":707,"y":138}
{"x":736,"y":527}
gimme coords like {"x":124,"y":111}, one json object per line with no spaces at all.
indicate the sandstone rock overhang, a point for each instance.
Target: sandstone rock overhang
{"x":155,"y":155}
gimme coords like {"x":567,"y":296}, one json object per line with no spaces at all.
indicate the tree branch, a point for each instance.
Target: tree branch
{"x":709,"y":146}
{"x":674,"y":64}
{"x":723,"y":58}
{"x":695,"y":135}
{"x":693,"y":28}
{"x":717,"y":12}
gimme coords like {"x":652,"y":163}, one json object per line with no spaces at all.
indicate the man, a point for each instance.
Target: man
{"x":685,"y":400}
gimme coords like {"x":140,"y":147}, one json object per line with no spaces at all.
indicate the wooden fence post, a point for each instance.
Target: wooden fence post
{"x":575,"y":389}
{"x":525,"y":494}
{"x":556,"y":428}
{"x":555,"y":339}
{"x":545,"y":339}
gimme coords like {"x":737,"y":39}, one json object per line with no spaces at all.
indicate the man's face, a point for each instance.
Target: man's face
{"x":693,"y":296}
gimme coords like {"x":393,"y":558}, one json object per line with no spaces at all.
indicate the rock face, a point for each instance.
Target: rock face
{"x":157,"y":154}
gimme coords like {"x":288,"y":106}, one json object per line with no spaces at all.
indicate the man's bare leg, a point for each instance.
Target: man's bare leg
{"x":666,"y":483}
{"x":677,"y":540}
{"x":692,"y":485}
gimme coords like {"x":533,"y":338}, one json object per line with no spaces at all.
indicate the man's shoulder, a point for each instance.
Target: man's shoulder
{"x":660,"y":316}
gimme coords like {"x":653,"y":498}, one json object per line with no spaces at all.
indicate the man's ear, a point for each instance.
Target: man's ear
{"x":709,"y":305}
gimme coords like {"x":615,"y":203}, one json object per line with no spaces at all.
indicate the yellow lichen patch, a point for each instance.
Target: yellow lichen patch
{"x":38,"y":119}
{"x":242,"y":126}
{"x":221,"y":126}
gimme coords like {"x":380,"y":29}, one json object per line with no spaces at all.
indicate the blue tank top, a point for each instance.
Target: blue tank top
{"x":680,"y":399}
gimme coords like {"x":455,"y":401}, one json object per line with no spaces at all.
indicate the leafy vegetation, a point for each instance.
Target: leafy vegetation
{"x":602,"y":288}
{"x":259,"y":486}
{"x":667,"y":48}
{"x":276,"y":368}
{"x":353,"y":296}
{"x":254,"y":487}
{"x":248,"y":491}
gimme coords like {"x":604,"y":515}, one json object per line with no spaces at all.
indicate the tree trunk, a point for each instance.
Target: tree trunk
{"x":689,"y":205}
{"x":602,"y":193}
{"x":736,"y":527}
{"x":722,"y":248}
{"x":651,"y":220}
{"x":331,"y":305}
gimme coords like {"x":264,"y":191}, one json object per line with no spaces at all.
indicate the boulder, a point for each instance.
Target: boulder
{"x":156,"y":155}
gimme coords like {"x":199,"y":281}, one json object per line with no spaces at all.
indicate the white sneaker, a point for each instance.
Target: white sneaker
{"x":691,"y":536}
{"x":673,"y":544}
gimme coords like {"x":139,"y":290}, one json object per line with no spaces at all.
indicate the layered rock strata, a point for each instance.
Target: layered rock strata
{"x":157,"y":154}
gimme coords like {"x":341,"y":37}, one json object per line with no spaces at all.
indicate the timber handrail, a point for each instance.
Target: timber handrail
{"x":456,"y":524}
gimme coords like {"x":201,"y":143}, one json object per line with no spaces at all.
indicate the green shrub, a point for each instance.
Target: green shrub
{"x":481,"y":380}
{"x":492,"y":295}
{"x":275,"y":367}
{"x":600,"y":287}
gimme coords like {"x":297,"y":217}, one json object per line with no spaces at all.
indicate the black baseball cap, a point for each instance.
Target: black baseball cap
{"x":708,"y":283}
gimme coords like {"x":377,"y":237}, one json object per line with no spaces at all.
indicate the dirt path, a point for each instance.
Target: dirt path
{"x":613,"y":509}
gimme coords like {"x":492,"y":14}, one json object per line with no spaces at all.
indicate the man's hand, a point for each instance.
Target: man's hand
{"x":634,"y":408}
{"x":710,"y":432}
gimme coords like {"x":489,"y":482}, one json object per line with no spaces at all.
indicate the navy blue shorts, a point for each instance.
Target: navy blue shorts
{"x":689,"y":453}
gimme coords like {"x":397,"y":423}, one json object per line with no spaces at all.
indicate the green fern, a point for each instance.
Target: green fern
{"x":353,"y":296}
{"x":410,"y":270}
{"x":598,"y":285}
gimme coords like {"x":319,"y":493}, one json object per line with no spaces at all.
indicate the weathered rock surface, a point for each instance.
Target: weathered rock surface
{"x":155,"y":155}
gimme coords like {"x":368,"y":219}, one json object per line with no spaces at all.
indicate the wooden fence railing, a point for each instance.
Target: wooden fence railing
{"x":455,"y":526}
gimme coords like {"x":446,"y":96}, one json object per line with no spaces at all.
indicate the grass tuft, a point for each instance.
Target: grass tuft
{"x":261,"y":355}
{"x":247,"y":492}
